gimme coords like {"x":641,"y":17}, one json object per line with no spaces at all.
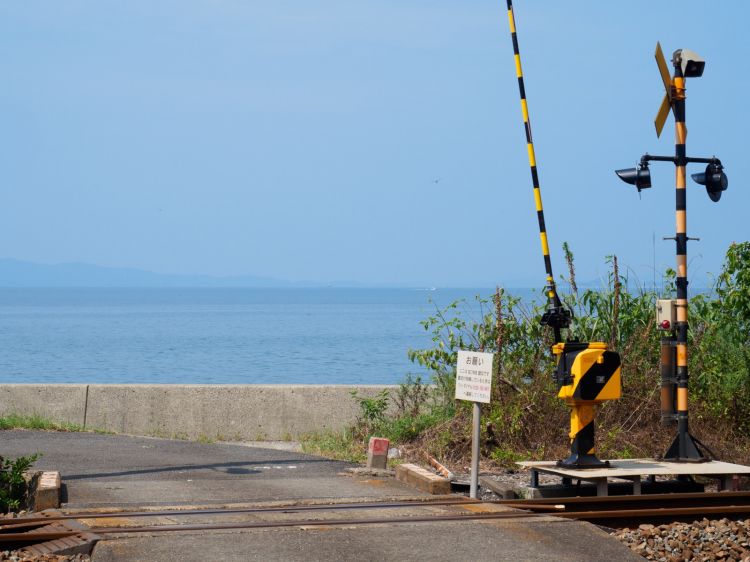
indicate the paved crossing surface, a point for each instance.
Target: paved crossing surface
{"x":100,"y":471}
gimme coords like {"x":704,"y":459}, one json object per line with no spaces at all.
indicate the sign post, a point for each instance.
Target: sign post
{"x":474,"y":383}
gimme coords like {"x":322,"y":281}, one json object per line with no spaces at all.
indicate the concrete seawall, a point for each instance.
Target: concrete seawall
{"x":227,"y":412}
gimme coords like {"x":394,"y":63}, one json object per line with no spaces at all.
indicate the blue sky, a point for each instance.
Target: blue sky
{"x":353,"y":140}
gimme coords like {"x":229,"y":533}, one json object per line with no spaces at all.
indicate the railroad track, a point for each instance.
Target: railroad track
{"x":613,"y":511}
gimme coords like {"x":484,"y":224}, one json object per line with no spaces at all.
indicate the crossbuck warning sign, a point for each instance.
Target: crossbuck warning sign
{"x":474,"y":376}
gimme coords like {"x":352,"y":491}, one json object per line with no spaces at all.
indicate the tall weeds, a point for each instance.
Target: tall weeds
{"x":526,"y":420}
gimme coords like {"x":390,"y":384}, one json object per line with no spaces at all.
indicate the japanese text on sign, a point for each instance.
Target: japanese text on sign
{"x":474,"y":376}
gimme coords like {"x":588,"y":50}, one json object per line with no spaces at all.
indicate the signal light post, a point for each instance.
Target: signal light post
{"x":674,"y":397}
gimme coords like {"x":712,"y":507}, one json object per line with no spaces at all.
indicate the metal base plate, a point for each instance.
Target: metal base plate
{"x":586,"y":462}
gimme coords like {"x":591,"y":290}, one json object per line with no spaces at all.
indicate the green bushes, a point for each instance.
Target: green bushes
{"x":526,"y":420}
{"x":12,"y":482}
{"x":415,"y":411}
{"x":721,"y":352}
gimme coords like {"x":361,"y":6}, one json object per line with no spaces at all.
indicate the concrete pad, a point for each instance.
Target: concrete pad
{"x":505,"y":491}
{"x":422,"y":479}
{"x":507,"y":540}
{"x":189,"y":491}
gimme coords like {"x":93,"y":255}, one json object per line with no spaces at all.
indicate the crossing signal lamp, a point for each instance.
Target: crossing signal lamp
{"x":714,"y":179}
{"x":639,"y":177}
{"x":691,"y":63}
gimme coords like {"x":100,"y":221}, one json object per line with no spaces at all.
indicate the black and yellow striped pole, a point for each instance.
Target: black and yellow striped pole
{"x":586,"y":373}
{"x":681,"y":281}
{"x":683,"y":447}
{"x":686,"y":64}
{"x":556,"y":316}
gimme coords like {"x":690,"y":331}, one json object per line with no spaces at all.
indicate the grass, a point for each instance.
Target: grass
{"x":408,"y":427}
{"x":34,"y":421}
{"x":339,"y":446}
{"x":351,"y":445}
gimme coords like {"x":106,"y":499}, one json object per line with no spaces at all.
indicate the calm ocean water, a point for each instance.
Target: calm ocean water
{"x":215,"y":336}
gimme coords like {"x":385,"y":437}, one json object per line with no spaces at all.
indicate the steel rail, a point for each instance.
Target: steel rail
{"x":657,"y":513}
{"x":52,"y":535}
{"x":31,"y":521}
{"x":664,"y":500}
{"x":593,"y":516}
{"x":533,"y":504}
{"x":8,"y":522}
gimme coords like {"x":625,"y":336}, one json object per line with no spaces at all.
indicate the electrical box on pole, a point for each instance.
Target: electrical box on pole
{"x":666,"y":314}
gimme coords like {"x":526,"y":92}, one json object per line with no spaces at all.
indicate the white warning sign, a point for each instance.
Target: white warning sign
{"x":474,"y":376}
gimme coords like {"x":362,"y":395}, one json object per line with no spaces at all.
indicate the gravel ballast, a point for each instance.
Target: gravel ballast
{"x":15,"y":556}
{"x":720,"y":540}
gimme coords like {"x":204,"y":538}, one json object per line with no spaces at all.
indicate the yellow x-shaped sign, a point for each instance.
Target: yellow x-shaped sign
{"x":666,"y":103}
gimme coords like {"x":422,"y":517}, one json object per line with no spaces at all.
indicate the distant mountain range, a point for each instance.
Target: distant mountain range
{"x":17,"y":273}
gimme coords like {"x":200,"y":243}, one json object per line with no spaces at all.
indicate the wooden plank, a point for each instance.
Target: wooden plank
{"x":639,"y":467}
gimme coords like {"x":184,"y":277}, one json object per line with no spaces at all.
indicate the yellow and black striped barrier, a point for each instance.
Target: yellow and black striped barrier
{"x":586,"y":373}
{"x":557,"y":316}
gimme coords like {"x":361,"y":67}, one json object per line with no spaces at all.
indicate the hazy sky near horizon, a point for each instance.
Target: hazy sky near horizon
{"x":372,"y":141}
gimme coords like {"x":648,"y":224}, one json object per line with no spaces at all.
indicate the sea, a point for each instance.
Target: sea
{"x":218,"y":335}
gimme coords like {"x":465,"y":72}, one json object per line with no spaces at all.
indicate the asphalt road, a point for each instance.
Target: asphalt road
{"x":119,"y":471}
